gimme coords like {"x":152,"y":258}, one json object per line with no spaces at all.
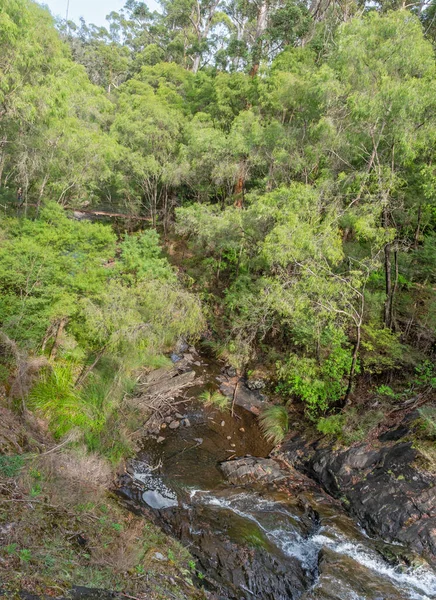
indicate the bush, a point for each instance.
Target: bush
{"x":274,"y":423}
{"x":332,"y":425}
{"x":319,"y":384}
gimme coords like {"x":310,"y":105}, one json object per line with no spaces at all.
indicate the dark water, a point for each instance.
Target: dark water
{"x":258,"y":543}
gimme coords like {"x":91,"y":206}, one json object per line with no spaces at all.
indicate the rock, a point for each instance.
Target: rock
{"x":179,"y":416}
{"x":168,"y":419}
{"x":197,"y":363}
{"x":256,"y":384}
{"x":186,"y":423}
{"x":174,"y":425}
{"x":233,"y":445}
{"x":188,"y":357}
{"x":163,"y":426}
{"x":160,"y":439}
{"x":242,"y":429}
{"x":176,"y":358}
{"x":230,"y":371}
{"x":251,"y":470}
{"x":192,"y":350}
{"x":198,"y":440}
{"x":381,"y":486}
{"x":229,"y":437}
{"x":170,"y":382}
{"x":181,"y":347}
{"x":223,"y":423}
{"x":251,"y":400}
{"x":159,"y":556}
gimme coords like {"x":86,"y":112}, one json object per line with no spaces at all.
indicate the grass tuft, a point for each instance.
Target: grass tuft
{"x":274,"y":423}
{"x":215,"y":399}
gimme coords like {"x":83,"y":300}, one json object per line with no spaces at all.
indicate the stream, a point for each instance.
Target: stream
{"x":257,"y":540}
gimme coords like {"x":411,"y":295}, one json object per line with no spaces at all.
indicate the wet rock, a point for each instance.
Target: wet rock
{"x":382,"y":487}
{"x":252,"y":470}
{"x":174,"y":425}
{"x":237,"y":571}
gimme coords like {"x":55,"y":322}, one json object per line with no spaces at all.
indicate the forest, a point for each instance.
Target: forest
{"x":289,"y":149}
{"x":274,"y":161}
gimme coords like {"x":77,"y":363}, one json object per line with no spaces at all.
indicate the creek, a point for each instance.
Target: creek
{"x":255,"y":540}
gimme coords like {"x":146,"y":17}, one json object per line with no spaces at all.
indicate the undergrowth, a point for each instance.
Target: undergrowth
{"x":59,"y":527}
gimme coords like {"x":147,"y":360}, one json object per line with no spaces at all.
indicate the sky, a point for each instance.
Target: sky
{"x":93,"y":11}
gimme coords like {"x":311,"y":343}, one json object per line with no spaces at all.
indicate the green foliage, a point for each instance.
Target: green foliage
{"x":10,"y":466}
{"x":382,"y":350}
{"x":332,"y":425}
{"x":274,"y":423}
{"x":305,"y":197}
{"x":318,"y":383}
{"x":55,"y":397}
{"x":215,"y":399}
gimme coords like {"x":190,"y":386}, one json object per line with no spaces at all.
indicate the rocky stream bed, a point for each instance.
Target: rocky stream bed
{"x":275,"y":528}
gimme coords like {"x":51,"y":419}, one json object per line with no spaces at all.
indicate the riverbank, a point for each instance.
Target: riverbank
{"x":257,"y":527}
{"x":60,"y":527}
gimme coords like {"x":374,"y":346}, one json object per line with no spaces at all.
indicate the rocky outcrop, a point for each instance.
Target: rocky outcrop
{"x":380,"y":484}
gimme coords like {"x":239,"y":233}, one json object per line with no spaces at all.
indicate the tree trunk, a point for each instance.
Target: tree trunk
{"x":59,"y":330}
{"x":238,"y":192}
{"x":394,"y":290}
{"x":87,"y":370}
{"x":262,"y":19}
{"x":388,"y":276}
{"x":353,"y":363}
{"x":418,"y":228}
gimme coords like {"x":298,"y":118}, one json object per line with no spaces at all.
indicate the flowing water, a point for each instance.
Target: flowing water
{"x":257,"y":542}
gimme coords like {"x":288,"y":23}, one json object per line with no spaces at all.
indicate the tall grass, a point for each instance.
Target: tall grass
{"x":274,"y":423}
{"x":93,"y":410}
{"x":55,"y":398}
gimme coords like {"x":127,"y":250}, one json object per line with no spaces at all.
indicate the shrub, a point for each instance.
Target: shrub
{"x":274,"y":423}
{"x":332,"y":425}
{"x":318,"y":383}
